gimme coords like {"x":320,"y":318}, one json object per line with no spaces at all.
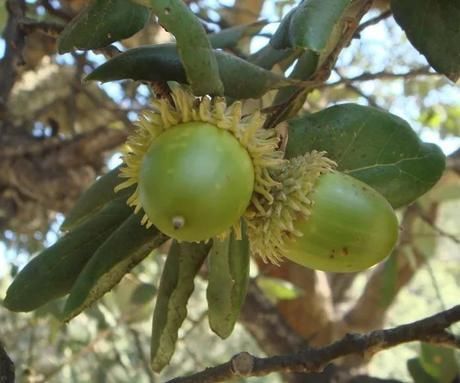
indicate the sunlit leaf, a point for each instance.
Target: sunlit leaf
{"x":278,"y":289}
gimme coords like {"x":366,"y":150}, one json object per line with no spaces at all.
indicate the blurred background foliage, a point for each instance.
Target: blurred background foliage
{"x":58,"y":134}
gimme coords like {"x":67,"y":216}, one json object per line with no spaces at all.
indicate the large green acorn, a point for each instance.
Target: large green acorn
{"x":198,"y":165}
{"x":323,"y":219}
{"x":196,"y":181}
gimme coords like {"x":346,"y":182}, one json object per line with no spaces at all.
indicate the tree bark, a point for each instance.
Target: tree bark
{"x":7,"y":373}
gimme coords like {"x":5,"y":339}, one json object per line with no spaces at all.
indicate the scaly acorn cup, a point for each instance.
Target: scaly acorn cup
{"x":323,"y":219}
{"x":197,"y":165}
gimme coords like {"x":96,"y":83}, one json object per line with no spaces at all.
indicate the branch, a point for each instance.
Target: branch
{"x":340,"y":285}
{"x":74,"y":357}
{"x":274,"y":335}
{"x":349,"y":24}
{"x":431,"y":330}
{"x":47,"y":28}
{"x":263,"y":321}
{"x":349,"y":84}
{"x":453,"y":161}
{"x":436,"y":228}
{"x":14,"y":43}
{"x":373,"y":21}
{"x":384,"y":75}
{"x":141,"y":354}
{"x":7,"y":374}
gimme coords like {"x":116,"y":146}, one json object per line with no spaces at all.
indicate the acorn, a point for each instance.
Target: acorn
{"x":198,"y":165}
{"x":322,"y":219}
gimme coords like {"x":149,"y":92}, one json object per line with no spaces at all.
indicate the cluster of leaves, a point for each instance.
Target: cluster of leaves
{"x":105,"y":239}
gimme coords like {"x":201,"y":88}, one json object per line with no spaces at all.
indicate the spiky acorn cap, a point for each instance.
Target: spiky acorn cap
{"x":272,"y":224}
{"x":261,"y":144}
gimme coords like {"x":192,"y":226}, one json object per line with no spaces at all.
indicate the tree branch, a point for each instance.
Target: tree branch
{"x":368,"y":312}
{"x":349,"y":24}
{"x":14,"y":43}
{"x":349,"y":84}
{"x":373,"y":21}
{"x":383,"y":75}
{"x":263,"y":321}
{"x":47,"y":28}
{"x":274,"y":335}
{"x":435,"y":227}
{"x":431,"y":330}
{"x":7,"y":374}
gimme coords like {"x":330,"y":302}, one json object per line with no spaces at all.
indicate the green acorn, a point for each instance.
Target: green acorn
{"x":198,"y":165}
{"x":323,"y":219}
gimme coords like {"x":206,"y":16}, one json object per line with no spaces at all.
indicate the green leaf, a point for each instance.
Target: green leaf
{"x":310,"y":24}
{"x":95,"y":198}
{"x":268,"y":56}
{"x":278,"y":289}
{"x":227,"y":283}
{"x":124,"y":249}
{"x":372,"y":145}
{"x":303,"y":69}
{"x":415,"y":368}
{"x":280,"y":39}
{"x":433,"y":28}
{"x":131,"y":298}
{"x":161,"y":63}
{"x":230,"y":37}
{"x":194,"y":48}
{"x":51,"y":309}
{"x":177,"y":284}
{"x":143,"y":293}
{"x":101,"y":23}
{"x":439,"y":362}
{"x":51,"y":274}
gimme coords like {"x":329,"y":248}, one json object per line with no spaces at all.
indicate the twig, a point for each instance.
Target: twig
{"x":384,"y":75}
{"x":282,"y":111}
{"x":436,"y":287}
{"x":370,"y":99}
{"x":437,"y":229}
{"x":143,"y":358}
{"x":81,"y":353}
{"x":195,"y":324}
{"x":373,"y":21}
{"x":431,"y":329}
